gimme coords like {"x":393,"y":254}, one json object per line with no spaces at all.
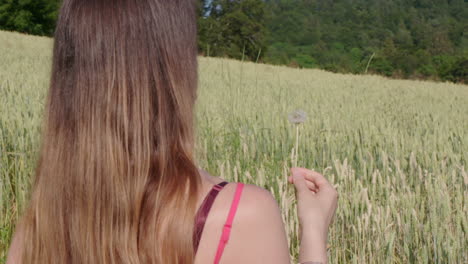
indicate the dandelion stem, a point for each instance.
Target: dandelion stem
{"x":296,"y":146}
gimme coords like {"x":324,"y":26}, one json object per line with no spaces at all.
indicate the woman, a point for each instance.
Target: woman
{"x":116,"y":180}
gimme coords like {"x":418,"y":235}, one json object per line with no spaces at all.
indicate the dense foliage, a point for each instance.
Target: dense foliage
{"x":233,"y":28}
{"x":405,"y":38}
{"x":398,"y":38}
{"x":29,"y":16}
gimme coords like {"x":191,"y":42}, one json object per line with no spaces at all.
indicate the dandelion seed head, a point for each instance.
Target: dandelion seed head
{"x":297,"y":117}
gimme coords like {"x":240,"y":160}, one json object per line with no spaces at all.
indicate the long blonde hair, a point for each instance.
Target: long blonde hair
{"x":116,"y":180}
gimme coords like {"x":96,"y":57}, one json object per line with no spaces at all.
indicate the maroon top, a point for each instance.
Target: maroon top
{"x":202,"y":213}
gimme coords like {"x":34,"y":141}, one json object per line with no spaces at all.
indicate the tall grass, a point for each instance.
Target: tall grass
{"x":395,"y":150}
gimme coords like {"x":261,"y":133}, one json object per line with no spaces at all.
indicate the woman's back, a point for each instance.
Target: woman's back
{"x":257,"y":233}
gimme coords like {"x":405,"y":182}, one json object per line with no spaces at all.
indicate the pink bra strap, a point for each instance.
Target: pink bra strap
{"x":227,"y":226}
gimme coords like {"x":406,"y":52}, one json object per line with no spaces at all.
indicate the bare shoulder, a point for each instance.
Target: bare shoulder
{"x":258,"y":233}
{"x":257,"y":199}
{"x":255,"y":202}
{"x":258,"y":207}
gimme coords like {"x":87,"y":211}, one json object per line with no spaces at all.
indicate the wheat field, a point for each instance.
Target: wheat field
{"x":396,"y":150}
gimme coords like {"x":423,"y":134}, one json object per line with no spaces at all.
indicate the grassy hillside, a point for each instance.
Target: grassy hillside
{"x":396,"y":150}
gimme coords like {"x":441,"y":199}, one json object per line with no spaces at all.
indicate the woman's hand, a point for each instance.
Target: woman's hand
{"x":316,"y":206}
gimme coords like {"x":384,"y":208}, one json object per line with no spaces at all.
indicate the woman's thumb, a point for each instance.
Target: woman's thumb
{"x":299,"y":182}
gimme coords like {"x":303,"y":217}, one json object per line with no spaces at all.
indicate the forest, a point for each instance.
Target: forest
{"x":416,"y":39}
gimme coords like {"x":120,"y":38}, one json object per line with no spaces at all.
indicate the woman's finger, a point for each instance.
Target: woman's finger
{"x":300,"y":184}
{"x":311,"y":186}
{"x":318,"y":179}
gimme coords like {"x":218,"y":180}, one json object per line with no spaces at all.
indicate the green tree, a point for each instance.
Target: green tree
{"x":29,"y":16}
{"x":233,"y":28}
